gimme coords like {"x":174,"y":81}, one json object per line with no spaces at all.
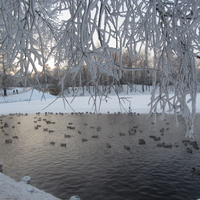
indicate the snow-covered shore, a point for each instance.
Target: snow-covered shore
{"x":33,"y":101}
{"x":12,"y":190}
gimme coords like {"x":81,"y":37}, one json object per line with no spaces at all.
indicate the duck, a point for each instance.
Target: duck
{"x":185,"y":142}
{"x":176,"y":144}
{"x":98,"y":128}
{"x":95,"y":136}
{"x":122,"y":134}
{"x":196,"y":147}
{"x":84,"y":140}
{"x":67,"y":136}
{"x":131,"y":133}
{"x":157,"y":139}
{"x":152,"y":136}
{"x":159,"y":145}
{"x":194,"y":144}
{"x":189,"y":150}
{"x":167,"y":145}
{"x":8,"y":141}
{"x":63,"y":144}
{"x":195,"y":171}
{"x":52,"y":143}
{"x":6,"y":125}
{"x":108,"y":145}
{"x":142,"y":141}
{"x":1,"y":167}
{"x":127,"y":147}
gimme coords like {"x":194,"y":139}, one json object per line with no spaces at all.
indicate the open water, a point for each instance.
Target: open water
{"x":84,"y":154}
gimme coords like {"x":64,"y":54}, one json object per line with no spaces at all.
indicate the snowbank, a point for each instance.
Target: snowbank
{"x":33,"y":101}
{"x":10,"y":189}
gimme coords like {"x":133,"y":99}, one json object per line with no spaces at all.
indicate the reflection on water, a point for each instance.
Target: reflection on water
{"x":100,"y":156}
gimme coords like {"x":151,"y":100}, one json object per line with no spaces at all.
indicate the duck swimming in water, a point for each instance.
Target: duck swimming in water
{"x":1,"y":167}
{"x":189,"y":150}
{"x":195,"y":171}
{"x":108,"y":145}
{"x":127,"y":147}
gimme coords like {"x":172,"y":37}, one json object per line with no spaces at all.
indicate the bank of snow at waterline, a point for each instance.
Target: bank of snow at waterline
{"x":10,"y":189}
{"x":32,"y":101}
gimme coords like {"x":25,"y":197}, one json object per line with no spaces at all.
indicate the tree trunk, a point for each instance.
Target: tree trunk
{"x":4,"y":92}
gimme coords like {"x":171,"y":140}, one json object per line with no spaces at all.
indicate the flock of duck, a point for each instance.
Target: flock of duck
{"x":3,"y":127}
{"x":191,"y":145}
{"x":131,"y":132}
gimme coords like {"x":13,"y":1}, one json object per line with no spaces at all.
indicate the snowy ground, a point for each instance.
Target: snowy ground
{"x":12,"y":190}
{"x":32,"y":101}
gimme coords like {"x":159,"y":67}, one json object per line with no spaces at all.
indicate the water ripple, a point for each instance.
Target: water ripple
{"x":92,"y":170}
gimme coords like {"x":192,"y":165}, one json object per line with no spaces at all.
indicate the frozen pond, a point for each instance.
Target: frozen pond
{"x":84,"y":154}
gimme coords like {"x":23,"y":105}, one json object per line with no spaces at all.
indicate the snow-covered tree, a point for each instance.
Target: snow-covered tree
{"x":166,"y":29}
{"x":26,"y":32}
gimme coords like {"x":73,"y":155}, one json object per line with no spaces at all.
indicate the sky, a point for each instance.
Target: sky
{"x":33,"y":101}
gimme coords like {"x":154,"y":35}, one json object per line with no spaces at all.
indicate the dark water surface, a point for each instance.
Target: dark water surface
{"x":90,"y":168}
